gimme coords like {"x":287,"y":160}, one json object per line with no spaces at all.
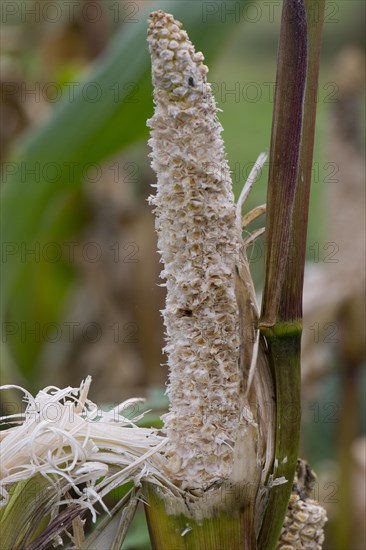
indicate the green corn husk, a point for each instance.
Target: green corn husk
{"x":225,"y":529}
{"x":26,"y":513}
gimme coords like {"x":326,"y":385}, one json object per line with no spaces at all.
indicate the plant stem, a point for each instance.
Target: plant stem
{"x":292,"y":300}
{"x":284,"y":358}
{"x":287,"y":215}
{"x":279,"y":322}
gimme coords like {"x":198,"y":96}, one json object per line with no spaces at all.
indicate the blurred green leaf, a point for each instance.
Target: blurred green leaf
{"x":26,"y":513}
{"x":138,"y":534}
{"x":41,"y":198}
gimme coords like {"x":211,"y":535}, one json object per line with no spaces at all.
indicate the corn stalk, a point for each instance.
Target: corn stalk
{"x":287,"y":218}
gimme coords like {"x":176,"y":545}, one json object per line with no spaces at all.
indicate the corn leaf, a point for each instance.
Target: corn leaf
{"x":41,"y":197}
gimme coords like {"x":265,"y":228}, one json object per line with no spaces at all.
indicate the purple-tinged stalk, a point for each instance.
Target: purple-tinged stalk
{"x":287,"y":214}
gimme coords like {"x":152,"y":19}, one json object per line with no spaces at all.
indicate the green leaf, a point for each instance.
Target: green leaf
{"x":41,"y":196}
{"x":25,"y":514}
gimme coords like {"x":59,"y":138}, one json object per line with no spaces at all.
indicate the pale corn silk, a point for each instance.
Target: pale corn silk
{"x":197,"y":240}
{"x":69,"y":440}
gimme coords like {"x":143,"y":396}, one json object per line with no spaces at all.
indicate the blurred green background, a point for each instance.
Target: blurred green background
{"x":80,"y":272}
